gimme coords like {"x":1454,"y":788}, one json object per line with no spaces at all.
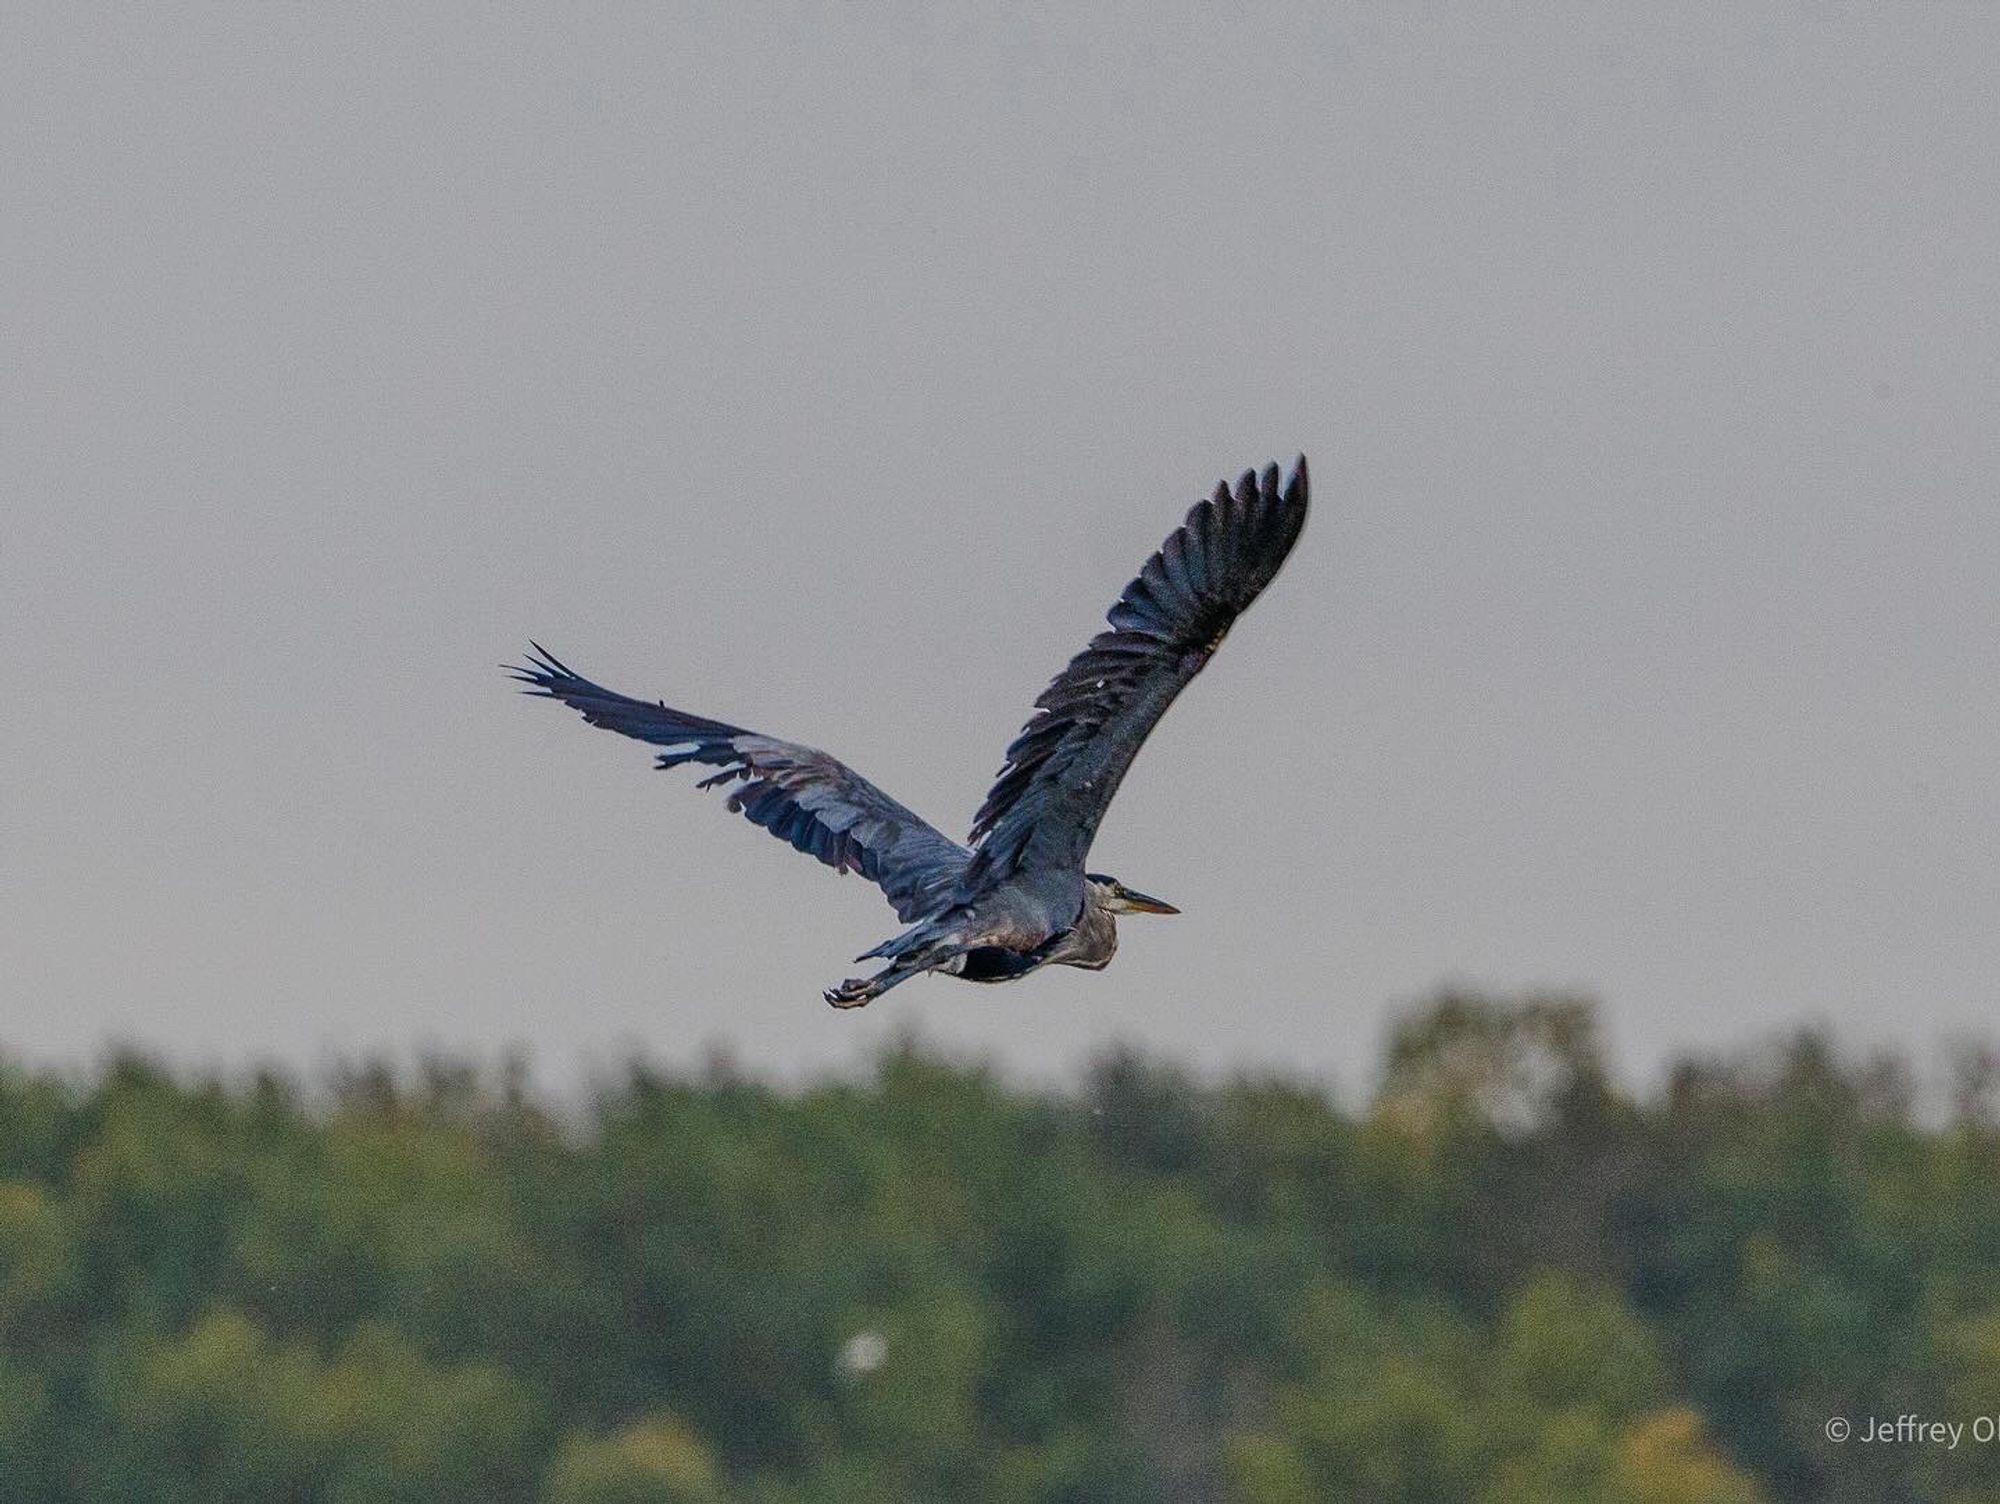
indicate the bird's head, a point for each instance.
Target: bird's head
{"x":1119,"y":899}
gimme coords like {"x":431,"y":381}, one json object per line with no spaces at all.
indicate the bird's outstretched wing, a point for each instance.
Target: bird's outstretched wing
{"x":819,"y":804}
{"x":1068,"y":761}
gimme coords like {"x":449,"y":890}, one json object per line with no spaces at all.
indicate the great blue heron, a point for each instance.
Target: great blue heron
{"x":1017,"y":897}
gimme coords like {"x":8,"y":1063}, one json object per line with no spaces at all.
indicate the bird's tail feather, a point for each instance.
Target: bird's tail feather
{"x":925,"y":932}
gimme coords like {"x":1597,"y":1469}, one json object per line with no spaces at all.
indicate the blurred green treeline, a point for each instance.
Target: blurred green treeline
{"x":1507,"y":1279}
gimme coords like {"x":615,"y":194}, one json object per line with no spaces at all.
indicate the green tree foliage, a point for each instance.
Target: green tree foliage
{"x":1503,"y":1278}
{"x":654,"y":1461}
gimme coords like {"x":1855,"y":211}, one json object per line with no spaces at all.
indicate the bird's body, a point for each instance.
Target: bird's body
{"x":1016,"y":897}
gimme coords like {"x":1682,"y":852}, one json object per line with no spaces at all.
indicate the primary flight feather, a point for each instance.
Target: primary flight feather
{"x":1017,"y":898}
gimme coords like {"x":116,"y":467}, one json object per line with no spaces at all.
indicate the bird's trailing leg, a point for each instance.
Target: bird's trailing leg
{"x":855,"y":992}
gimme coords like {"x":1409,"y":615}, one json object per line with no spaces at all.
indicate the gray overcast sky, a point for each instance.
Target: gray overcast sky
{"x":830,"y":369}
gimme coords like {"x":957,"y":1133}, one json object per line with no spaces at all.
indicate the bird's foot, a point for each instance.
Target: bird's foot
{"x":852,"y":993}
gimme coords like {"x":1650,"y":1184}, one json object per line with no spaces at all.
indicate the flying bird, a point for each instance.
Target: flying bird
{"x":1015,"y":897}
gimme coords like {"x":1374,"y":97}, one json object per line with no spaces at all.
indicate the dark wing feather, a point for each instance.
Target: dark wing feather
{"x":819,"y":804}
{"x":1068,"y":761}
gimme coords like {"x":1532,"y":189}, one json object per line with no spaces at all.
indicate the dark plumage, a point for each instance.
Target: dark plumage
{"x":1017,"y":898}
{"x":1088,"y":725}
{"x":820,"y":805}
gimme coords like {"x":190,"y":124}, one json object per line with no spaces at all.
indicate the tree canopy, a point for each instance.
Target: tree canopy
{"x":1504,"y":1277}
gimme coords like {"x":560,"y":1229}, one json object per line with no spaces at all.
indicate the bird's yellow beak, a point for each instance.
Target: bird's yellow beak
{"x":1129,"y":902}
